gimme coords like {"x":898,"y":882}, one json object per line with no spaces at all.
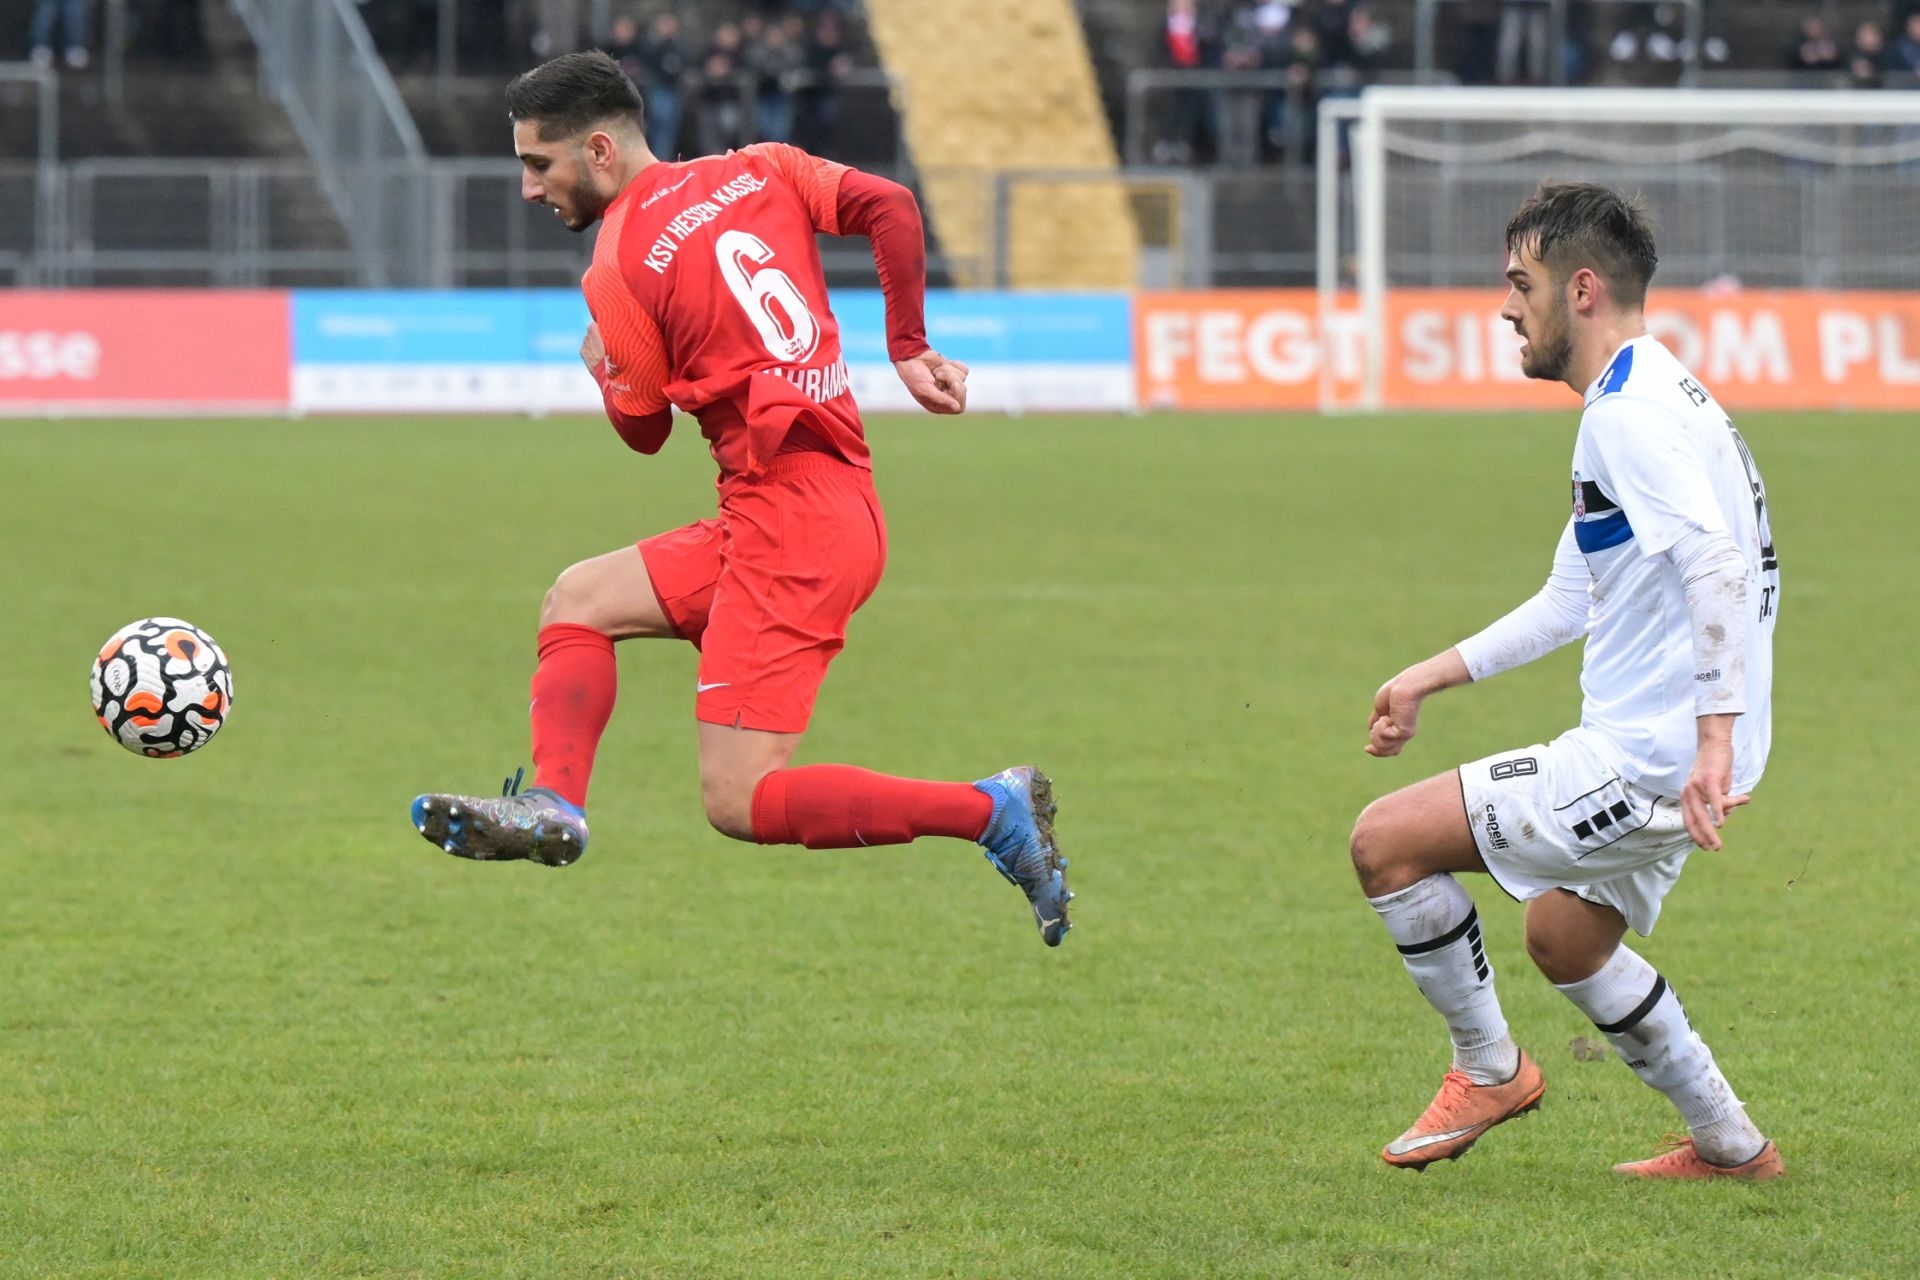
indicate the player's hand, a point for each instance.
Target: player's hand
{"x":1396,"y":715}
{"x":1704,"y":802}
{"x":593,"y":352}
{"x":937,"y":384}
{"x":1396,"y":708}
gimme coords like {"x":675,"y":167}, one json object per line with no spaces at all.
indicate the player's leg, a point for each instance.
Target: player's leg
{"x":806,"y":550}
{"x":1406,"y":849}
{"x":593,"y":603}
{"x":751,"y":793}
{"x":732,"y":763}
{"x":749,"y":726}
{"x":590,"y":605}
{"x":1577,"y":944}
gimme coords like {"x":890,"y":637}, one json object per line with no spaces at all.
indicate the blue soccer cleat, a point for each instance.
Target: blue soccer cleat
{"x":535,"y":825}
{"x":1019,"y":844}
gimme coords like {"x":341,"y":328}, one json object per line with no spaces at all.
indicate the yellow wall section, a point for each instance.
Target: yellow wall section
{"x":991,"y":86}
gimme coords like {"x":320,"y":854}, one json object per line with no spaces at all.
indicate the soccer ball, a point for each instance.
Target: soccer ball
{"x":161,"y":687}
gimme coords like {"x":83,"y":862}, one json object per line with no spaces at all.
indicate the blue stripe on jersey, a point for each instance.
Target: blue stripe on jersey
{"x":1617,"y":373}
{"x":1598,"y":535}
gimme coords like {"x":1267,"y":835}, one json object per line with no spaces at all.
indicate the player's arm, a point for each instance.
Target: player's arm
{"x":847,"y":202}
{"x":631,"y":378}
{"x":1713,"y":577}
{"x":1554,"y":616}
{"x":1662,"y":485}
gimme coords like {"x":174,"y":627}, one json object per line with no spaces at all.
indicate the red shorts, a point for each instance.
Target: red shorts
{"x":765,"y":591}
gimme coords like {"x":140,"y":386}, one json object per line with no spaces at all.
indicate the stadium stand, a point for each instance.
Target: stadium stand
{"x":172,"y":86}
{"x":1028,"y":102}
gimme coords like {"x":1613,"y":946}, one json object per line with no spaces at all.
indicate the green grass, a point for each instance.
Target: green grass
{"x":251,"y":1025}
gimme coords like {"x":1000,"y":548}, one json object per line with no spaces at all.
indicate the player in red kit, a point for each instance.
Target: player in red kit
{"x":706,"y":292}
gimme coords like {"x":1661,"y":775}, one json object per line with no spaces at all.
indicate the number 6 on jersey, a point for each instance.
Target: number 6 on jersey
{"x":768,"y":296}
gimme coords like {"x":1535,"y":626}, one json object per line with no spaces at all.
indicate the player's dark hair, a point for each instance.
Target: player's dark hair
{"x":572,"y":93}
{"x":1569,"y":225}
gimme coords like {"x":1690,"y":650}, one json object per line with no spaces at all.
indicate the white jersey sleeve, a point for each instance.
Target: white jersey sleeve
{"x":1714,"y":580}
{"x":1553,"y":616}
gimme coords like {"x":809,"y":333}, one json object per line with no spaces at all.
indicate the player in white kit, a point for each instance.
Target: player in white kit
{"x":1667,"y":570}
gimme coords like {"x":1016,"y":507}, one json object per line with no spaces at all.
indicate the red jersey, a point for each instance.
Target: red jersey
{"x":707,"y":288}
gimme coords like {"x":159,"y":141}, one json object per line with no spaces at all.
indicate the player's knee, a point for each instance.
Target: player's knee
{"x":570,"y":598}
{"x":1552,"y":955}
{"x":1570,"y":939}
{"x":729,"y":808}
{"x":1374,"y":851}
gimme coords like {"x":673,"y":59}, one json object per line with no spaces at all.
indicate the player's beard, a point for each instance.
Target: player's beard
{"x":584,"y":206}
{"x":1550,"y":346}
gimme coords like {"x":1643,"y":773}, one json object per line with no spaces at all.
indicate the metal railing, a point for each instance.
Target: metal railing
{"x":249,"y":223}
{"x":1250,"y":114}
{"x":1173,"y":209}
{"x":37,"y":194}
{"x":264,"y":223}
{"x":318,"y":61}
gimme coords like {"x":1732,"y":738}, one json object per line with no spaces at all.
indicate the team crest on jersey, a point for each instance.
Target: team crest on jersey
{"x":1598,"y":521}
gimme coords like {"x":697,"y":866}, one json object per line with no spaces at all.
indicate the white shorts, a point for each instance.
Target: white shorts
{"x":1560,"y":816}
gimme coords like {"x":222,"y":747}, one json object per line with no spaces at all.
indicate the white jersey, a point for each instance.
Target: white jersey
{"x":1657,"y":457}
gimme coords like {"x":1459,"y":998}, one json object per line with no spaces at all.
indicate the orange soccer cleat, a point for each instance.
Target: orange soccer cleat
{"x":1678,"y":1159}
{"x":1461,"y":1112}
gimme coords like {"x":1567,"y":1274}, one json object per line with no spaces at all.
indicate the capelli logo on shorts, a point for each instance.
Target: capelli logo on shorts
{"x":1494,"y":839}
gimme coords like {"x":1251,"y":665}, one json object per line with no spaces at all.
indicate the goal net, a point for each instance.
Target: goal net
{"x":1751,"y":190}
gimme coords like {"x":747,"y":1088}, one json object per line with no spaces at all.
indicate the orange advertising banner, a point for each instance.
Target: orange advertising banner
{"x":1449,"y":349}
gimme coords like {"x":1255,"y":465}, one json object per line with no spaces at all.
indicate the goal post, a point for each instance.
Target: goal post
{"x":1772,"y":190}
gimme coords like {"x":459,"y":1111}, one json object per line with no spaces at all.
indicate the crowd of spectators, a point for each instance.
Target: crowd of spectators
{"x":1877,"y":50}
{"x":765,"y":77}
{"x":772,"y":69}
{"x":1656,"y":36}
{"x":1511,"y":42}
{"x":1311,"y":49}
{"x":763,"y":70}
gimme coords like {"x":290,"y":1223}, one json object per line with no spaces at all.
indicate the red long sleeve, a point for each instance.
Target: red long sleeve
{"x":887,"y":214}
{"x":645,"y":432}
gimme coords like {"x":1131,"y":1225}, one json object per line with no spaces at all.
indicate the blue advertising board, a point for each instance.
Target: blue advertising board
{"x":517,"y":350}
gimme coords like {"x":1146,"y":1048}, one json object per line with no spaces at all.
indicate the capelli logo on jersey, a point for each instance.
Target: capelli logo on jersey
{"x":1579,"y":498}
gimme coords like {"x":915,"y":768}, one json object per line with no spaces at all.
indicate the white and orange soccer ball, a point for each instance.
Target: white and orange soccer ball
{"x":162,"y":687}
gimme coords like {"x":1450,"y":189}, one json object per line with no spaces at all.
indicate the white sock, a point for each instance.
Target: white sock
{"x":1639,"y":1014}
{"x":1438,"y":933}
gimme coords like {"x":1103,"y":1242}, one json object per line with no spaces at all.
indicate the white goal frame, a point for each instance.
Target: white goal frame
{"x":1367,"y":115}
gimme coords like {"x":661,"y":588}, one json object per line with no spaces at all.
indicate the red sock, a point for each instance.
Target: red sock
{"x":835,"y":806}
{"x":573,"y":691}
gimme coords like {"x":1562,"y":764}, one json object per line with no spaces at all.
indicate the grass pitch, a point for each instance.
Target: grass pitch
{"x":251,"y":1025}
